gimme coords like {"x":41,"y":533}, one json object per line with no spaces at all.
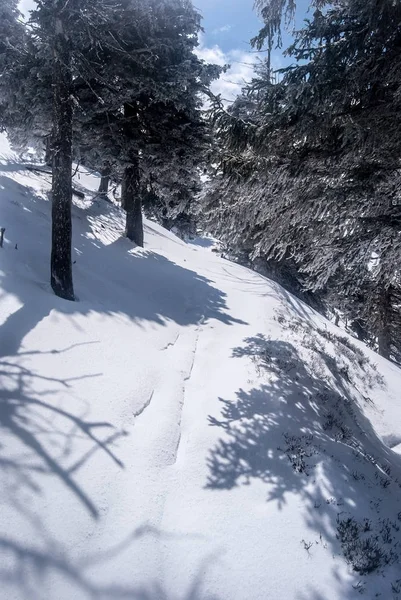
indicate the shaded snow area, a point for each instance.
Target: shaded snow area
{"x":186,"y":430}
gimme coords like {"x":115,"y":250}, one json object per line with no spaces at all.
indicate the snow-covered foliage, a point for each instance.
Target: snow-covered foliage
{"x":118,"y":84}
{"x":313,"y":162}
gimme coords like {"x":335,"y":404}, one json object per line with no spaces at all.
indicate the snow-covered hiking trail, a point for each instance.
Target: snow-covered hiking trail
{"x":186,"y":430}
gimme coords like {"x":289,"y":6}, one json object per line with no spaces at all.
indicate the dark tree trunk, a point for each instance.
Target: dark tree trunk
{"x":104,"y":185}
{"x":61,"y":267}
{"x":104,"y":180}
{"x":383,"y":337}
{"x":131,"y":198}
{"x":131,"y":202}
{"x":123,"y":192}
{"x":48,"y":151}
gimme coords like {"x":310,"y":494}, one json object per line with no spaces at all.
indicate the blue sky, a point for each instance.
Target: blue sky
{"x":232,"y":23}
{"x":228,"y":23}
{"x":228,"y":27}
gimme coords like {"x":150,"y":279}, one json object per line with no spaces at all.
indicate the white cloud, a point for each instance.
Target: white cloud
{"x":240,"y":72}
{"x":222,"y":29}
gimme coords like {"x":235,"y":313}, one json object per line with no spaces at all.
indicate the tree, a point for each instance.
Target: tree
{"x":316,"y":169}
{"x":61,"y":264}
{"x":176,"y":155}
{"x":54,"y":19}
{"x":72,"y":33}
{"x":125,"y":82}
{"x":13,"y":53}
{"x":154,"y":104}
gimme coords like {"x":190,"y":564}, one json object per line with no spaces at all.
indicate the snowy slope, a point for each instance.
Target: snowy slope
{"x":187,"y":430}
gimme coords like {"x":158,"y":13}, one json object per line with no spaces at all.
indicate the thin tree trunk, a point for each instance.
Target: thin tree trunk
{"x":61,"y":267}
{"x":123,"y":192}
{"x":383,"y":338}
{"x":48,"y":151}
{"x":131,"y":199}
{"x":132,"y":202}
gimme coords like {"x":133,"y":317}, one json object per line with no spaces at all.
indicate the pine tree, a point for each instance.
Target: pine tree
{"x":13,"y":58}
{"x":55,"y":21}
{"x":155,"y":102}
{"x":125,"y":84}
{"x":316,"y":168}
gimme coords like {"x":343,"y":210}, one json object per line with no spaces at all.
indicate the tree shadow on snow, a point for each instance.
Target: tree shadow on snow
{"x":44,"y":441}
{"x":39,"y":434}
{"x":47,"y":445}
{"x":110,"y":277}
{"x":28,"y":568}
{"x":302,"y":432}
{"x":48,"y":438}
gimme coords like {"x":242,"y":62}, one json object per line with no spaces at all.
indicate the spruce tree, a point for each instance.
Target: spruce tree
{"x":316,"y":167}
{"x":154,"y":107}
{"x":55,"y":20}
{"x":13,"y":60}
{"x":117,"y":83}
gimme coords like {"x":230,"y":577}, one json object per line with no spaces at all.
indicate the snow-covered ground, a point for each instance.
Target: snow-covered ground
{"x":187,"y":430}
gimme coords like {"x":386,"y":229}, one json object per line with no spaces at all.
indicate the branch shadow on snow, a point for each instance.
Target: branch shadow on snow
{"x":32,"y":564}
{"x":302,"y":432}
{"x":39,"y":434}
{"x":46,"y":442}
{"x":38,"y":454}
{"x":110,"y":276}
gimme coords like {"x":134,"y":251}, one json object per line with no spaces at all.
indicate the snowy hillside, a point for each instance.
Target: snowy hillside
{"x":186,"y":430}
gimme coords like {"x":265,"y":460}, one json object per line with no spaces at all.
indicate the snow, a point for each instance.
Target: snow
{"x":148,"y":430}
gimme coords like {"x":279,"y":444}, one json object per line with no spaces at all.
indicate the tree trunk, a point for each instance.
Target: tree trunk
{"x":48,"y":151}
{"x":104,"y":185}
{"x":131,"y":199}
{"x":104,"y":180}
{"x":383,"y":337}
{"x":383,"y":340}
{"x":61,"y":267}
{"x":123,"y":192}
{"x":132,"y":203}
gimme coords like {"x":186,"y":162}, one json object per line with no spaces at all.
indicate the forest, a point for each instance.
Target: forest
{"x":200,"y":300}
{"x":298,"y":177}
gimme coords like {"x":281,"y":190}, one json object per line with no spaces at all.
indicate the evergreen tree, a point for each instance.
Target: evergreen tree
{"x":55,"y":20}
{"x":316,"y":169}
{"x":118,"y":84}
{"x":13,"y":56}
{"x":175,"y":154}
{"x":153,"y":113}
